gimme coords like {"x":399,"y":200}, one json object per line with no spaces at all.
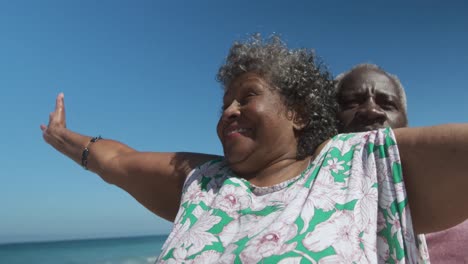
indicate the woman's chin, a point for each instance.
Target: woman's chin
{"x":235,"y":153}
{"x":233,"y":160}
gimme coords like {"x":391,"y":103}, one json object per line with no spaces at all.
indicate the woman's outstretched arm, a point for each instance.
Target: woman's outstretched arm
{"x":435,"y":166}
{"x":154,"y":179}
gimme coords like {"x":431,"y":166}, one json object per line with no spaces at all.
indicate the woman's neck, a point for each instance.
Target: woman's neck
{"x":278,"y":172}
{"x":282,"y":170}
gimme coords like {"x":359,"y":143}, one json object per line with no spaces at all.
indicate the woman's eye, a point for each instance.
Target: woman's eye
{"x":247,"y":98}
{"x":223,"y":108}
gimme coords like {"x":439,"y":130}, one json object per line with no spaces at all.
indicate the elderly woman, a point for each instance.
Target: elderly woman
{"x":283,"y":193}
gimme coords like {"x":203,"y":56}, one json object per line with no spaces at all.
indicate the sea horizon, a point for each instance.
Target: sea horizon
{"x":53,"y":240}
{"x":143,"y":249}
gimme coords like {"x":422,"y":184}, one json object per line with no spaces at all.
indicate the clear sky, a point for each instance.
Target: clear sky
{"x":143,"y":72}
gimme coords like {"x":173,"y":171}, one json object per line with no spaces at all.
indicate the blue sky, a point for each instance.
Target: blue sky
{"x":143,"y":72}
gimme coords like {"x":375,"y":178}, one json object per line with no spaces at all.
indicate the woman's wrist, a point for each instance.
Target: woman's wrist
{"x":68,"y":142}
{"x":85,"y":153}
{"x":56,"y":137}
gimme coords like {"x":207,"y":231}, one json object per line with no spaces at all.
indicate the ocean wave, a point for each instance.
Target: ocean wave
{"x":151,"y":260}
{"x":142,"y":260}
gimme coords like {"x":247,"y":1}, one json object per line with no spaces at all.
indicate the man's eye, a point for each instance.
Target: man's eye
{"x":349,"y":104}
{"x":388,"y":106}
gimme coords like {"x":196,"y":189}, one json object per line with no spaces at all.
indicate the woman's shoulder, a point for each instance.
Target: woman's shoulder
{"x":215,"y":168}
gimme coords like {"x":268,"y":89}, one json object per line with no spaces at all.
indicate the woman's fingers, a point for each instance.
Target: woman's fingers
{"x":59,"y":102}
{"x":56,"y":118}
{"x":60,"y":109}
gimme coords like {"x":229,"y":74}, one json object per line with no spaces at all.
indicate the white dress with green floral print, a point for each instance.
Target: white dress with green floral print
{"x":348,"y":206}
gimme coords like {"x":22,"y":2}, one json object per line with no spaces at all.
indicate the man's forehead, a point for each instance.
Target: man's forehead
{"x":361,"y":80}
{"x":367,"y":76}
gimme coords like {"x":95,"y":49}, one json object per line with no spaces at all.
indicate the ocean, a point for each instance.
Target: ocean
{"x":127,"y":250}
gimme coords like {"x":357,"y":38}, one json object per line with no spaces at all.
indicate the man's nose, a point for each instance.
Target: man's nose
{"x":370,"y":112}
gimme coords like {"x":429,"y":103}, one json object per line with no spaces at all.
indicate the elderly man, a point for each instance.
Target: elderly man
{"x":371,"y":98}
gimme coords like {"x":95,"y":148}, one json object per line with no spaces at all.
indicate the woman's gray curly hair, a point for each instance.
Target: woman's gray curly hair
{"x":304,"y":83}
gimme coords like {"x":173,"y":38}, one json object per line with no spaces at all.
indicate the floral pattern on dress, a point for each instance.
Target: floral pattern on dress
{"x":349,"y":206}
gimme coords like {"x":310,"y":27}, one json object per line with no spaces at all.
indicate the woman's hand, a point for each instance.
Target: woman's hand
{"x":57,"y":123}
{"x":155,"y":179}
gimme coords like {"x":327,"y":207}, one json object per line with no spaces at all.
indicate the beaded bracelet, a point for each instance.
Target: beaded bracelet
{"x":84,"y":155}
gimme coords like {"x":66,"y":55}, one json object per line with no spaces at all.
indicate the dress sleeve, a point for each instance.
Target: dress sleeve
{"x":374,"y":182}
{"x":394,"y":225}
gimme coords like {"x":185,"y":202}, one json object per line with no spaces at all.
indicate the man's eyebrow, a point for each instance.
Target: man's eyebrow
{"x":350,"y":93}
{"x":388,"y":95}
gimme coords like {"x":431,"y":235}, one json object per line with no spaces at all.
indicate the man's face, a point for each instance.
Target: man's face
{"x":369,"y":100}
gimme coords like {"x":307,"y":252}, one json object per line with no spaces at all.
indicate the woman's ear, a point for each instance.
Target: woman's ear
{"x":298,"y":122}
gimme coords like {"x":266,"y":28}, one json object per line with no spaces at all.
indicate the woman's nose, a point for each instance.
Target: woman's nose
{"x":232,"y":111}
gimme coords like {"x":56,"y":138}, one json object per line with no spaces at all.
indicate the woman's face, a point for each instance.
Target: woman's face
{"x":255,"y":128}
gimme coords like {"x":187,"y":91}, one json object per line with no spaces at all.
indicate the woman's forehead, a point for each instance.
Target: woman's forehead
{"x":245,"y":79}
